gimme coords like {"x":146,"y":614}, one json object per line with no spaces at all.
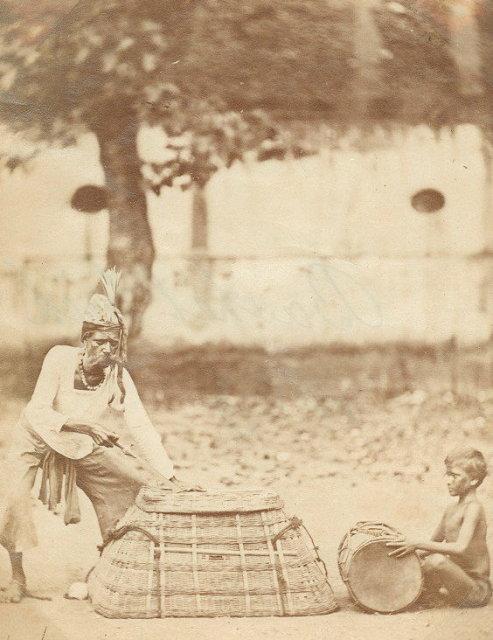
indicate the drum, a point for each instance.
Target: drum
{"x":375,"y":581}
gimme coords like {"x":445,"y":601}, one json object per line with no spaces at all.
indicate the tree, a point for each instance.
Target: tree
{"x":221,"y":77}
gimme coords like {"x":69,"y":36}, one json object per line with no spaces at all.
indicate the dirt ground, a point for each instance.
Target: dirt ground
{"x":333,"y":464}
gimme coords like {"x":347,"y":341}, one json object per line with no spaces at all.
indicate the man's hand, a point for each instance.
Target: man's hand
{"x":179,"y":485}
{"x":173,"y":484}
{"x":101,"y":436}
{"x":402,"y":546}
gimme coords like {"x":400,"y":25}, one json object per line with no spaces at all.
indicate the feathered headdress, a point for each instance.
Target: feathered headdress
{"x":103,"y":314}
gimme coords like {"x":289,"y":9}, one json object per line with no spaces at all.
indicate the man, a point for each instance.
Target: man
{"x":84,"y":426}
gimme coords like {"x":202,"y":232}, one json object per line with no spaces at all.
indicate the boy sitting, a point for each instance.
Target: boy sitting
{"x":458,"y":558}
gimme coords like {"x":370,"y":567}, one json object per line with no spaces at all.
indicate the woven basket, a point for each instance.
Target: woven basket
{"x":194,"y":554}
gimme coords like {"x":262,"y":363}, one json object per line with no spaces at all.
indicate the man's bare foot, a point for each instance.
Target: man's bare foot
{"x":13,"y":592}
{"x":16,"y":590}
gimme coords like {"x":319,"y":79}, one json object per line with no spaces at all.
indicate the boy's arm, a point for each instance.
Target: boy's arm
{"x":466,"y":533}
{"x":439,"y":533}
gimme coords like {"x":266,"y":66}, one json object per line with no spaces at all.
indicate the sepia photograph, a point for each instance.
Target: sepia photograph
{"x":246,"y":319}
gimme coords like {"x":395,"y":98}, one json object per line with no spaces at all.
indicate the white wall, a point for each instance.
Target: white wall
{"x":35,"y":212}
{"x":323,"y":249}
{"x":292,"y":302}
{"x":347,"y":202}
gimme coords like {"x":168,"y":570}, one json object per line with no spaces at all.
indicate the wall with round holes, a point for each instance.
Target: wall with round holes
{"x":359,"y":244}
{"x":407,"y":193}
{"x":36,"y":213}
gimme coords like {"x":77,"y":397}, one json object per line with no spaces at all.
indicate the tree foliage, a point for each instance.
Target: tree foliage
{"x":221,"y":77}
{"x":208,"y":72}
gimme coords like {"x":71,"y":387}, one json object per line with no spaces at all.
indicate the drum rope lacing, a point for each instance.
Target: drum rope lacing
{"x":380,"y":532}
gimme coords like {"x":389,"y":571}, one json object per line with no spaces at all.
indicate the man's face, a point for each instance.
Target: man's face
{"x":459,"y":481}
{"x":101,"y":348}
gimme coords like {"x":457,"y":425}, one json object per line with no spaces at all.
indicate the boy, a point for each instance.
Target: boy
{"x":457,"y":557}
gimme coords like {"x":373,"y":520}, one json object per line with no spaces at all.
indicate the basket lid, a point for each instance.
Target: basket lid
{"x":155,"y":500}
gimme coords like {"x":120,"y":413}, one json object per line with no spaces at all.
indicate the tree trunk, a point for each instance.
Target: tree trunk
{"x":199,"y":217}
{"x":367,"y":46}
{"x":130,"y":247}
{"x":200,"y":263}
{"x":465,"y":41}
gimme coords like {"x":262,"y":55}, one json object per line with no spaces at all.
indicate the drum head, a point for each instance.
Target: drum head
{"x":380,"y":583}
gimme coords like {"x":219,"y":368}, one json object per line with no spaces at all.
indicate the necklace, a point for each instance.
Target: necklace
{"x":88,"y":386}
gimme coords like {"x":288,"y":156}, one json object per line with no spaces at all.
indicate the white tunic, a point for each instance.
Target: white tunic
{"x":55,"y":400}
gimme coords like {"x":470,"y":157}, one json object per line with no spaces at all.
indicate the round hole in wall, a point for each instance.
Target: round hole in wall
{"x":428,"y":201}
{"x":89,"y":199}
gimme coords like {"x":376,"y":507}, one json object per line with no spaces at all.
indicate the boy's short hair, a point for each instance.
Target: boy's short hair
{"x":469,"y":459}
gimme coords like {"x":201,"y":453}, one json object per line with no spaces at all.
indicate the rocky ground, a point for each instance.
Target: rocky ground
{"x":269,"y":440}
{"x":334,"y":461}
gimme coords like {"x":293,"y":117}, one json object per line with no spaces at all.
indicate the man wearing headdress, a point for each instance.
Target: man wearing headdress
{"x":84,"y":426}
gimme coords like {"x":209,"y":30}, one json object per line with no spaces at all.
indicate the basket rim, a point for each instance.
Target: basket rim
{"x":152,"y":500}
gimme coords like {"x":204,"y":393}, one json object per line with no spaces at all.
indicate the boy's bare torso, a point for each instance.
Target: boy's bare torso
{"x":475,"y":560}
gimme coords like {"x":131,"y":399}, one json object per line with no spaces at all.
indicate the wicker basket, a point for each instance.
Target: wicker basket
{"x":196,"y":554}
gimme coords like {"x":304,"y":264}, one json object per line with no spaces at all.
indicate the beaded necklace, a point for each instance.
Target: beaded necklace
{"x":88,"y":386}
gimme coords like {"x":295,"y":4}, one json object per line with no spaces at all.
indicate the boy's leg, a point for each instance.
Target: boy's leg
{"x":441,"y":571}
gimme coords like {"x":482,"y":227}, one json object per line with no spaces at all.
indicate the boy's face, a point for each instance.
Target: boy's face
{"x":459,"y":482}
